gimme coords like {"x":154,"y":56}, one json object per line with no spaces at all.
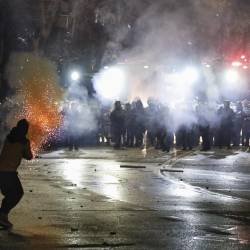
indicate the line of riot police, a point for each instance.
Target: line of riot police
{"x":186,"y":126}
{"x":159,"y":125}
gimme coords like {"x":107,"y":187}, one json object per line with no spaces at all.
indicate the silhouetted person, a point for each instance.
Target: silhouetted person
{"x":246,"y":129}
{"x":227,"y":117}
{"x":16,"y":147}
{"x":238,"y":124}
{"x":129,"y":120}
{"x":117,"y":118}
{"x":218,"y":140}
{"x":186,"y":128}
{"x":133,"y":123}
{"x":105,"y":126}
{"x":179,"y":137}
{"x":139,"y":123}
{"x":186,"y":137}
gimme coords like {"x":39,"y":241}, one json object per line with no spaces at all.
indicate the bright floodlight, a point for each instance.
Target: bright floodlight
{"x":232,"y":76}
{"x":190,"y":75}
{"x":174,"y":78}
{"x":75,"y":75}
{"x":236,"y":64}
{"x":110,"y":83}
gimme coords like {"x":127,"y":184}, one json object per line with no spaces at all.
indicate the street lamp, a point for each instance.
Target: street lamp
{"x":190,"y":74}
{"x":110,"y":83}
{"x":75,"y":76}
{"x":231,"y":76}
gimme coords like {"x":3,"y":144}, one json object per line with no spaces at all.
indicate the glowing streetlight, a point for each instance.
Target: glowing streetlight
{"x":190,"y":74}
{"x":110,"y":83}
{"x":236,"y":64}
{"x":75,"y":76}
{"x":231,"y":76}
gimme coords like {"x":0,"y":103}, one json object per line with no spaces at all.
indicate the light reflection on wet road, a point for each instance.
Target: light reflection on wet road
{"x":182,"y":200}
{"x":154,"y":187}
{"x":144,"y":187}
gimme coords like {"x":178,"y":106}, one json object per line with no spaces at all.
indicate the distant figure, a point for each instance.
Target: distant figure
{"x":129,"y":120}
{"x":105,"y":126}
{"x":226,"y":126}
{"x":117,"y":118}
{"x":217,"y":128}
{"x":139,"y":123}
{"x":238,"y":124}
{"x":161,"y":128}
{"x":186,"y":137}
{"x":16,"y":147}
{"x":246,"y":126}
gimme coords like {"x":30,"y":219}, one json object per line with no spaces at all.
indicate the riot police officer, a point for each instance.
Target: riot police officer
{"x":117,"y":118}
{"x":238,"y":124}
{"x":227,"y":116}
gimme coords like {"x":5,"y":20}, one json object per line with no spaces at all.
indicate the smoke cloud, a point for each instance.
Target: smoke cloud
{"x":166,"y":39}
{"x":158,"y":45}
{"x":80,"y":111}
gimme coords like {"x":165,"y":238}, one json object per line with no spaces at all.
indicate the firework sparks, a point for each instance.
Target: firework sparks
{"x":38,"y":92}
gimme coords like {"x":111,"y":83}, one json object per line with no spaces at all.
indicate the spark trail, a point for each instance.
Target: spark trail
{"x":38,"y":94}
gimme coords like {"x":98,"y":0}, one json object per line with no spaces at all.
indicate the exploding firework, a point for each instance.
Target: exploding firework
{"x":38,"y":93}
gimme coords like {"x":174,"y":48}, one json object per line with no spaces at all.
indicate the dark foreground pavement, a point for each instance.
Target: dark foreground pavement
{"x":131,"y":199}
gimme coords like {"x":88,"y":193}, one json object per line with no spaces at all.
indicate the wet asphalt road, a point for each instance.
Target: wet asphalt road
{"x":131,"y":199}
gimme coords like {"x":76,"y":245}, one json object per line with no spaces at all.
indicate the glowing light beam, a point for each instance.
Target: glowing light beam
{"x":231,"y":76}
{"x":190,"y":74}
{"x":110,"y":83}
{"x":75,"y":75}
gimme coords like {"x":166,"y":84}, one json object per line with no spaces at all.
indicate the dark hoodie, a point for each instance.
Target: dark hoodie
{"x":16,"y":135}
{"x":16,"y":147}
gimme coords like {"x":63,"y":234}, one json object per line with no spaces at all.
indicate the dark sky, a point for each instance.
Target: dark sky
{"x":20,"y":21}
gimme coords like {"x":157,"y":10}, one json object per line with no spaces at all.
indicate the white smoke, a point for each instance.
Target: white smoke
{"x":80,"y":111}
{"x":168,"y":38}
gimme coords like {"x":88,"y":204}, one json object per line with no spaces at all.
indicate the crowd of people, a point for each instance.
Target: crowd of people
{"x":132,"y":125}
{"x":159,"y":125}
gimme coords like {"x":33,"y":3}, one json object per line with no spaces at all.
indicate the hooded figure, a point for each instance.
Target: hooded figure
{"x":117,"y":118}
{"x":227,"y":117}
{"x":16,"y":147}
{"x":238,"y":124}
